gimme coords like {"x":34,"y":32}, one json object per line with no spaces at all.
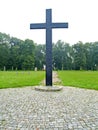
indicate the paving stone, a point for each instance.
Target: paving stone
{"x":69,"y":109}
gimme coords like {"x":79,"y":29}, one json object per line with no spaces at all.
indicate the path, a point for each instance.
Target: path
{"x":56,"y":80}
{"x":69,"y":109}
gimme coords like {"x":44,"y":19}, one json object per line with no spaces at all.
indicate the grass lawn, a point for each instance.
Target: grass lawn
{"x":82,"y":79}
{"x":11,"y":79}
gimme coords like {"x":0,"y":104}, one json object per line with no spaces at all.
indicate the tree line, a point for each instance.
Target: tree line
{"x":26,"y":55}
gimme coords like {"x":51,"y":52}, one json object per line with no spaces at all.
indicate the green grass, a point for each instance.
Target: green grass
{"x":11,"y":79}
{"x":81,"y":79}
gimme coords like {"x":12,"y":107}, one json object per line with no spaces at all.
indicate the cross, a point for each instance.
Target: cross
{"x":48,"y":26}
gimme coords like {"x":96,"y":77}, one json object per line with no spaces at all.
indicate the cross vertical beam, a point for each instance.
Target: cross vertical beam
{"x":48,"y":48}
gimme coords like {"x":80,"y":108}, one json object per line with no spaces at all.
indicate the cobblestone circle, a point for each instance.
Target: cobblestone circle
{"x":28,"y":109}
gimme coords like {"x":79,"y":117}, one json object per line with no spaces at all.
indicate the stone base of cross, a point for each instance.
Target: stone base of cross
{"x":48,"y":26}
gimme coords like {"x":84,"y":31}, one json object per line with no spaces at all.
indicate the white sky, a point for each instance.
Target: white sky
{"x":82,"y":16}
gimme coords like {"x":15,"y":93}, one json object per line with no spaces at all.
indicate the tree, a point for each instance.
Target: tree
{"x":62,"y":56}
{"x":4,"y":38}
{"x":14,"y":49}
{"x":95,"y":55}
{"x":26,"y":58}
{"x":26,"y":55}
{"x":79,"y":56}
{"x":40,"y":53}
{"x":89,"y":56}
{"x":4,"y":55}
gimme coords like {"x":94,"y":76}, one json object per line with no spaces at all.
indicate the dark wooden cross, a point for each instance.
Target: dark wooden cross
{"x":48,"y":26}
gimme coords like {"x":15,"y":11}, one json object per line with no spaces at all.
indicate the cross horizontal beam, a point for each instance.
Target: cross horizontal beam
{"x":59,"y":25}
{"x":38,"y":26}
{"x":52,"y":25}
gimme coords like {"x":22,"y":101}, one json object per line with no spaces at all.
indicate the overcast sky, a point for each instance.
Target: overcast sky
{"x":82,"y":16}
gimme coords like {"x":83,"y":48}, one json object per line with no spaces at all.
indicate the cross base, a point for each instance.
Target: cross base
{"x":49,"y":88}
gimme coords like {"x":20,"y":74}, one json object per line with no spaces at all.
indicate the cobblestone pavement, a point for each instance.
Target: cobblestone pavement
{"x":69,"y":109}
